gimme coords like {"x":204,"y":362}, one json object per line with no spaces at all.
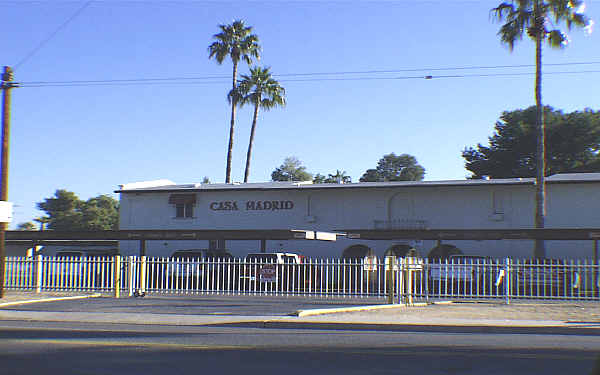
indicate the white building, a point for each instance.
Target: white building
{"x":573,"y":201}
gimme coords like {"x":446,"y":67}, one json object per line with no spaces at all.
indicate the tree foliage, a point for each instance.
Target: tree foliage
{"x":572,"y":145}
{"x":340,"y":177}
{"x":66,"y":212}
{"x":291,"y":170}
{"x":394,"y":167}
{"x":538,"y":19}
{"x":26,"y":226}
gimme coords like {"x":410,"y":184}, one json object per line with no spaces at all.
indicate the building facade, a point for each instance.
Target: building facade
{"x":573,"y":201}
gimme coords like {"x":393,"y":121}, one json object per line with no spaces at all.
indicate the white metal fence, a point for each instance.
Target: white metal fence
{"x":409,"y":279}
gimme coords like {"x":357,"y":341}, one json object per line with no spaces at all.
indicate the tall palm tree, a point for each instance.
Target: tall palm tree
{"x":260,"y":89}
{"x":539,"y":18}
{"x":237,"y":42}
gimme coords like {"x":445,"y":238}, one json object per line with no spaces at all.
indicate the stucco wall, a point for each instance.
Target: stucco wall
{"x":442,"y":207}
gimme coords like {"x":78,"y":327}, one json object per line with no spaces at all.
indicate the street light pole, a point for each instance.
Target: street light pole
{"x":7,"y":84}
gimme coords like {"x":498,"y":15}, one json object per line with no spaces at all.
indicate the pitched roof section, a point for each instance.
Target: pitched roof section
{"x":307,"y":185}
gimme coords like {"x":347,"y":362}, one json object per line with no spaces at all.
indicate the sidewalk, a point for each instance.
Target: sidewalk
{"x":18,"y":297}
{"x":520,"y":316}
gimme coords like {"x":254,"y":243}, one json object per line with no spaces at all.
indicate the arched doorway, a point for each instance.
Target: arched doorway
{"x":400,"y":251}
{"x":357,"y":252}
{"x":360,"y":267}
{"x":444,"y":251}
{"x":401,"y":208}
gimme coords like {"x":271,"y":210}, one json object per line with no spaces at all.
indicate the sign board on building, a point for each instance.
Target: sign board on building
{"x":6,"y":212}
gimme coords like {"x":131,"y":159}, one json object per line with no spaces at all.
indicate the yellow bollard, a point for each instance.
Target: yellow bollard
{"x":117,"y":276}
{"x":143,"y":266}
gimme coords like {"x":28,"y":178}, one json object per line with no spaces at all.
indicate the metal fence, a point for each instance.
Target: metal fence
{"x":406,"y":279}
{"x":479,"y":278}
{"x":60,"y":273}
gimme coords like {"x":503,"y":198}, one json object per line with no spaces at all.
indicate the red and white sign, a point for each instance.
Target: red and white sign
{"x":268,"y":273}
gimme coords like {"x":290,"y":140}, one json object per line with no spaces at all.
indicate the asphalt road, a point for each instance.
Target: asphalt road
{"x":64,"y":348}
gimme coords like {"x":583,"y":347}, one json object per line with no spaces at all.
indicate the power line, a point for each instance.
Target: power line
{"x":442,"y":69}
{"x":220,"y":79}
{"x":47,"y":39}
{"x":322,"y":79}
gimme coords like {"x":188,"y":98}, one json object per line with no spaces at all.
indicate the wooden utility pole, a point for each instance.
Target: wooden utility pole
{"x":7,"y":84}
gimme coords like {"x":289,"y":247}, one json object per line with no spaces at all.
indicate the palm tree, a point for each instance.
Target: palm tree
{"x":538,"y":19}
{"x":42,"y":220}
{"x":237,"y":42}
{"x":340,"y":177}
{"x":260,"y":89}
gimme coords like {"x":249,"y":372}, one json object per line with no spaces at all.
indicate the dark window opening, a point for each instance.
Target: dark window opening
{"x":184,"y":210}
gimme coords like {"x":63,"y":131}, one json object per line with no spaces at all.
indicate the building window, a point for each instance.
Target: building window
{"x":184,"y":204}
{"x":184,"y":210}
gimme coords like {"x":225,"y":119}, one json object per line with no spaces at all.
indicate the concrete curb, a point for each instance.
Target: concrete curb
{"x":313,"y":312}
{"x":51,"y":299}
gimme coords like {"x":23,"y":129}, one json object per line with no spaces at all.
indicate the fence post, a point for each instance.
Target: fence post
{"x":508,"y":279}
{"x":38,"y":274}
{"x":130,"y":275}
{"x":409,"y":284}
{"x":143,"y":274}
{"x":117,"y":276}
{"x":389,"y":268}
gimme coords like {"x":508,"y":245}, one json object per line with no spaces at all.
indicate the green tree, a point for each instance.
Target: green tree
{"x":572,"y":145}
{"x":261,"y":90}
{"x":42,"y":220}
{"x":537,"y":18}
{"x":291,"y":170}
{"x":319,"y":179}
{"x":66,"y":212}
{"x":338,"y":177}
{"x":237,"y":42}
{"x":26,"y":226}
{"x":100,"y":213}
{"x":394,"y":167}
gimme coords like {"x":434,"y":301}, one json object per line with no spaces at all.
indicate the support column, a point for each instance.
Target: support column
{"x":142,"y":248}
{"x":263,"y":246}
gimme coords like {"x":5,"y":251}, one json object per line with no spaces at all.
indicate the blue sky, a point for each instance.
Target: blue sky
{"x":90,"y":139}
